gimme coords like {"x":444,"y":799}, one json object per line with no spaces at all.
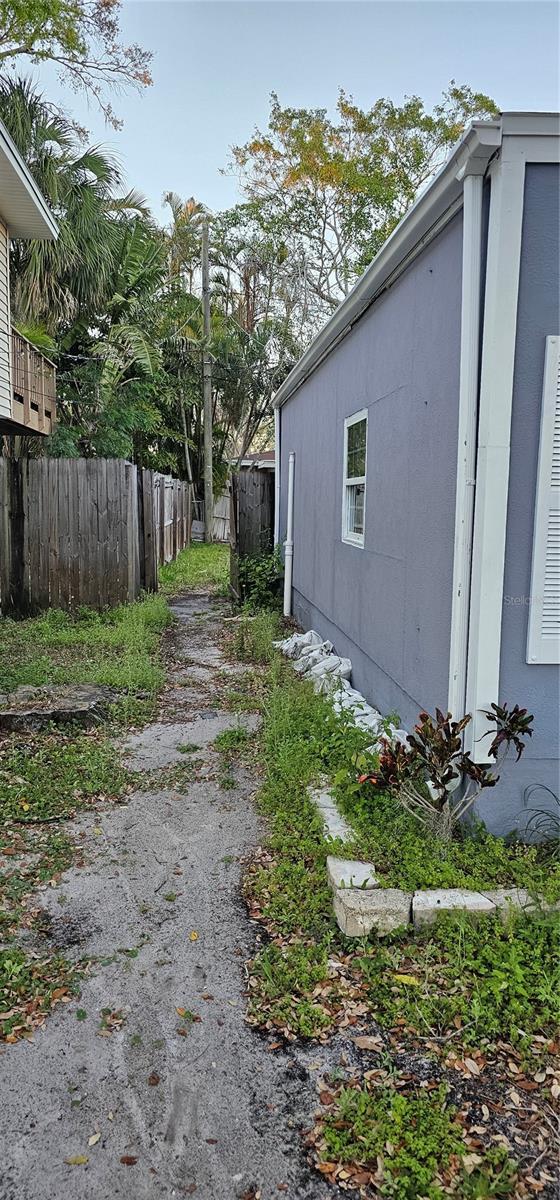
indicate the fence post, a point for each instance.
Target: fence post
{"x":16,"y":598}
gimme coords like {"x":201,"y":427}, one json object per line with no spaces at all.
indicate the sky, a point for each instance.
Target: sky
{"x":216,"y":63}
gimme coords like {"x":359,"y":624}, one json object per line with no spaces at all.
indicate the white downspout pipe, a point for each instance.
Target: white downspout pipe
{"x":467,"y":440}
{"x":276,"y":476}
{"x":289,"y":543}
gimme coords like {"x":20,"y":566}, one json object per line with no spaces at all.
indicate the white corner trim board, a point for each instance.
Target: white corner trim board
{"x":466,"y":440}
{"x":507,"y":178}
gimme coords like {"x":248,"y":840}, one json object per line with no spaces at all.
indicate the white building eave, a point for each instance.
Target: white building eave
{"x":470,"y":156}
{"x":23,"y":209}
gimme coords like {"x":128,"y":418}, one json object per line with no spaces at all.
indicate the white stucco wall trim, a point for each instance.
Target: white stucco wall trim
{"x":507,"y":175}
{"x":466,"y":440}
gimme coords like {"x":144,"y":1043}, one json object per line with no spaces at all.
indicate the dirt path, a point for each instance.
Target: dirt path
{"x":198,"y":1107}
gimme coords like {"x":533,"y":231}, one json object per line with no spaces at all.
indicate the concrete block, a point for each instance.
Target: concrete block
{"x":382,"y":909}
{"x":347,"y":873}
{"x":426,"y":906}
{"x":506,"y":898}
{"x":334,"y":824}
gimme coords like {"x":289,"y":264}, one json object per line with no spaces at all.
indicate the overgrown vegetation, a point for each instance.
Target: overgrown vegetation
{"x":479,"y":999}
{"x":48,"y":777}
{"x":406,"y":1144}
{"x":117,"y":647}
{"x":260,"y":580}
{"x":424,"y":773}
{"x":254,"y":636}
{"x":200,"y":565}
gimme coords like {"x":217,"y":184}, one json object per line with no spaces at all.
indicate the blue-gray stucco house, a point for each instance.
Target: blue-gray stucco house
{"x":425,"y":423}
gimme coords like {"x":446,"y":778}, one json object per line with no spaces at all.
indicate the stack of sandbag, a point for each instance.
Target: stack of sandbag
{"x":314,"y":659}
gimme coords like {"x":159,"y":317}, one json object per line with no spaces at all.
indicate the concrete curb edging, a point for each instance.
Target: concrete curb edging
{"x":361,"y":905}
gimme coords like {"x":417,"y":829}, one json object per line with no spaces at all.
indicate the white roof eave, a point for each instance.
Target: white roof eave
{"x":23,"y":208}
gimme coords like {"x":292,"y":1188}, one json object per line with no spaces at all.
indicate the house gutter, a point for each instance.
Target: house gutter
{"x":471,"y":155}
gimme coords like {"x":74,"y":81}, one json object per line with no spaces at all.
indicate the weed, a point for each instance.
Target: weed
{"x":50,"y":776}
{"x":488,"y":978}
{"x":29,"y":987}
{"x":200,"y":565}
{"x":407,"y":1139}
{"x":226,"y":781}
{"x":42,"y":854}
{"x":253,"y":637}
{"x":117,"y":647}
{"x":260,"y":580}
{"x":231,"y":739}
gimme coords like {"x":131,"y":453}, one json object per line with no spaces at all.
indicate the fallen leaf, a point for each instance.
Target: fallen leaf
{"x":128,"y":1160}
{"x":472,"y":1067}
{"x":77,"y":1160}
{"x":193,"y":935}
{"x":93,"y":1140}
{"x":153,"y":1079}
{"x":368,"y":1043}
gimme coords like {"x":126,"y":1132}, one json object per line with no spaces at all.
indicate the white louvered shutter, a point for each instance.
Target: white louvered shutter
{"x":543,"y":642}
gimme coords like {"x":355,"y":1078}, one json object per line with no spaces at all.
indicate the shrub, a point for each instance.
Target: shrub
{"x":260,"y":579}
{"x":425,"y":773}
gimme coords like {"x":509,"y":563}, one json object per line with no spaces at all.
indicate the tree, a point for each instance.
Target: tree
{"x":56,"y":282}
{"x":82,"y":37}
{"x":332,"y":191}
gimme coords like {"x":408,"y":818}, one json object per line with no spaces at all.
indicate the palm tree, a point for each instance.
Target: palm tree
{"x":184,"y":237}
{"x":55,"y":282}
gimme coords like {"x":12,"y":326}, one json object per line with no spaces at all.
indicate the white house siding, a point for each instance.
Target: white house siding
{"x":5,"y":386}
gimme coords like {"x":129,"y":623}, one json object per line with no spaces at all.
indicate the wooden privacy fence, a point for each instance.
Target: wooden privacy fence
{"x":251,"y":520}
{"x":85,"y":531}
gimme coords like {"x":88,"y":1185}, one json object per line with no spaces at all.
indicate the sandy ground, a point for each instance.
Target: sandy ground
{"x":213,"y":1113}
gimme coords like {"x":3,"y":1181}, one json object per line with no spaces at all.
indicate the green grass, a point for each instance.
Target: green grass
{"x":118,"y":647}
{"x":48,"y":777}
{"x":253,"y":637}
{"x":199,"y":566}
{"x":489,"y":978}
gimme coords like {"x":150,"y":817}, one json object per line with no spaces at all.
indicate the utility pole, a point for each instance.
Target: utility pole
{"x":207,"y":390}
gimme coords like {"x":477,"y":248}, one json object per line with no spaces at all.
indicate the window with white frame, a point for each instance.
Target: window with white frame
{"x":354,"y":482}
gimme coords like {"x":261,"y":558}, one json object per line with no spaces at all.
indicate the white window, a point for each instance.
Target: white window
{"x":543,"y":642}
{"x":354,"y":482}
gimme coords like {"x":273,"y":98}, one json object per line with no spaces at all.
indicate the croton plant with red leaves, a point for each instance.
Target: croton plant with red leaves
{"x":432,"y":769}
